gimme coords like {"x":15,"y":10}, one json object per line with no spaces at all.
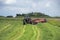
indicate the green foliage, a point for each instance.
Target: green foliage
{"x":37,"y":14}
{"x":1,"y":16}
{"x":9,"y":16}
{"x":33,"y":14}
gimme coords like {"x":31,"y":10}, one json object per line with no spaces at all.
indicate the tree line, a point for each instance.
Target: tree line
{"x":32,"y":14}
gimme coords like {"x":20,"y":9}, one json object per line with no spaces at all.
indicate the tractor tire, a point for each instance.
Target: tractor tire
{"x":24,"y":22}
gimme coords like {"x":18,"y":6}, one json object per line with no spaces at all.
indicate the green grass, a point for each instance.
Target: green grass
{"x":12,"y":29}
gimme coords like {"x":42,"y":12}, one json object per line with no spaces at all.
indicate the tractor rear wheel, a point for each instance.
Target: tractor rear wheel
{"x":24,"y":22}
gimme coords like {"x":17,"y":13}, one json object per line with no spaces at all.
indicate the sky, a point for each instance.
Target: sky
{"x":13,"y":7}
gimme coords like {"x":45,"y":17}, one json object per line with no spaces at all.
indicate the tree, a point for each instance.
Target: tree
{"x":10,"y":16}
{"x":18,"y":15}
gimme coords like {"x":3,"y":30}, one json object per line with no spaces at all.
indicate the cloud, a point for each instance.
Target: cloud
{"x":10,"y":1}
{"x":48,"y":4}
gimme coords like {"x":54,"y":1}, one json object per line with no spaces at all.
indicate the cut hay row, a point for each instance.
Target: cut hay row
{"x":35,"y":32}
{"x":38,"y":32}
{"x":27,"y":34}
{"x":5,"y":27}
{"x":52,"y":32}
{"x":2,"y":25}
{"x":36,"y":35}
{"x":9,"y":30}
{"x":46,"y":34}
{"x":51,"y":28}
{"x":57,"y":31}
{"x":9,"y":26}
{"x":15,"y":32}
{"x":20,"y":34}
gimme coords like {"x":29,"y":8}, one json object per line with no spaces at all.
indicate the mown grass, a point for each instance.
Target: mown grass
{"x":13,"y":29}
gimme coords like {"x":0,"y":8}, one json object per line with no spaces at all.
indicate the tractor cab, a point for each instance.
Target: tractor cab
{"x":27,"y":20}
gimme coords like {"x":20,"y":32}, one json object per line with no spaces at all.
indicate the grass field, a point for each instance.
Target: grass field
{"x":12,"y":29}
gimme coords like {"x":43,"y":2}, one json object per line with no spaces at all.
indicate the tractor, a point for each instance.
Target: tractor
{"x":28,"y":20}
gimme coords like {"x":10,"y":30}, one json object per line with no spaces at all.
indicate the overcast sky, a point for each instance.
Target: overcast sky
{"x":12,"y":7}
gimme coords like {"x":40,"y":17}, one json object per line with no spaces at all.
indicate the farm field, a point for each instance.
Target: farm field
{"x":12,"y":29}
